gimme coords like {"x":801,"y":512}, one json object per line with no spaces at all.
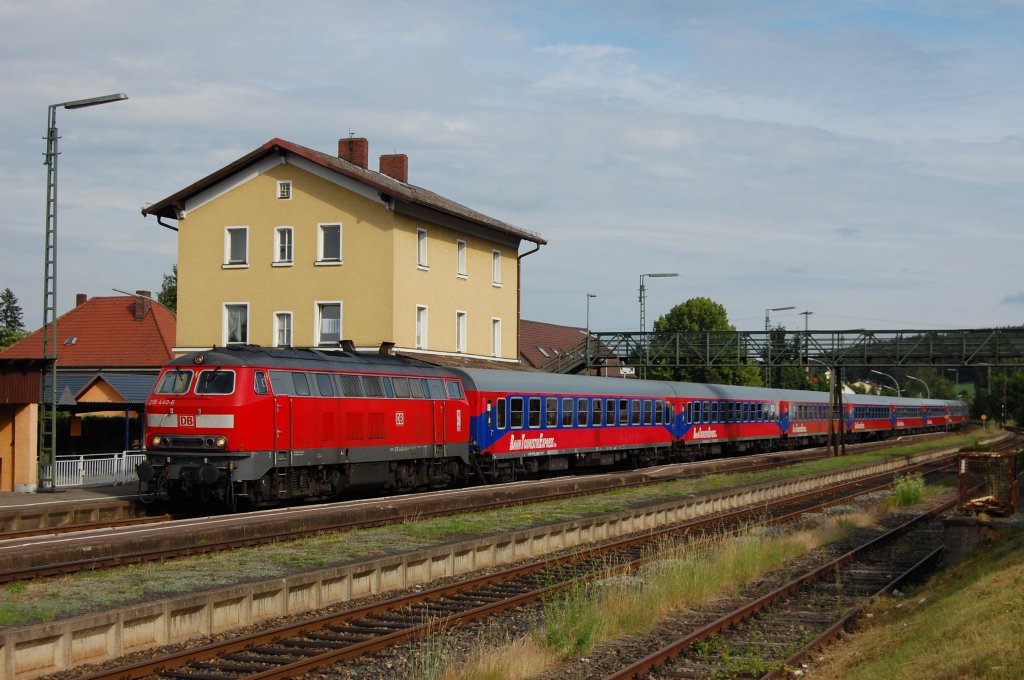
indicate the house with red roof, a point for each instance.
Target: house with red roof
{"x":562,"y":349}
{"x":109,"y":351}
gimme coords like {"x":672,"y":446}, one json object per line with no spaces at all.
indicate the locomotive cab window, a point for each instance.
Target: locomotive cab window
{"x":455,"y":390}
{"x":174,"y":382}
{"x":281,"y":381}
{"x":259,"y":382}
{"x":216,"y":381}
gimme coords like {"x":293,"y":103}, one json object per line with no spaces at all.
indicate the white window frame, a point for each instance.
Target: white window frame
{"x":318,"y":307}
{"x":496,"y":268}
{"x":495,"y":336}
{"x":460,"y":259}
{"x":421,"y":249}
{"x":422,"y":326}
{"x":277,"y":329}
{"x":461,"y":328}
{"x":225,"y":325}
{"x":320,"y":260}
{"x":284,"y":190}
{"x":278,"y":260}
{"x":228,"y":264}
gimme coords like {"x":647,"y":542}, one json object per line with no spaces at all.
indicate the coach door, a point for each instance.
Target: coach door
{"x":282,"y":423}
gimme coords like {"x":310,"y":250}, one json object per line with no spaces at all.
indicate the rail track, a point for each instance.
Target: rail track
{"x":108,"y":545}
{"x":297,"y":648}
{"x":767,"y":636}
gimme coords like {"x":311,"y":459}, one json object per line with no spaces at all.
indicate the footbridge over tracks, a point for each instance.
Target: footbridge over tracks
{"x":999,"y":347}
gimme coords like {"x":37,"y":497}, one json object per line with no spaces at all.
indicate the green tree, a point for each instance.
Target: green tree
{"x":12,"y":326}
{"x":168,"y":295}
{"x":697,"y":316}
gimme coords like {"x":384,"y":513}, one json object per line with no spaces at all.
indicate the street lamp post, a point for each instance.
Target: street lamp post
{"x":48,"y":414}
{"x":768,"y":343}
{"x":898,"y":393}
{"x":927,"y":389}
{"x":589,"y":297}
{"x":643,"y":312}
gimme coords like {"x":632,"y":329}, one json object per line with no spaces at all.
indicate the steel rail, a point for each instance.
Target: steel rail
{"x":656,"y":659}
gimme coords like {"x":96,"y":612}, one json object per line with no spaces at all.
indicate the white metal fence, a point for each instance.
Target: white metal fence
{"x":97,"y":469}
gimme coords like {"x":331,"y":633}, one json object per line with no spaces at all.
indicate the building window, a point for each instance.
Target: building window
{"x":328,"y":323}
{"x":284,"y":190}
{"x":236,"y":246}
{"x":329,"y":246}
{"x":460,"y":258}
{"x":283,"y":329}
{"x":283,"y":245}
{"x":421,"y":248}
{"x":495,"y":337}
{"x":236,"y":323}
{"x":496,"y":267}
{"x":460,"y":332}
{"x":421,"y":327}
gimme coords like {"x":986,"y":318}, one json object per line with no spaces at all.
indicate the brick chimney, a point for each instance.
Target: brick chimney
{"x":354,"y":150}
{"x":80,"y":299}
{"x":143,"y":302}
{"x":395,"y":165}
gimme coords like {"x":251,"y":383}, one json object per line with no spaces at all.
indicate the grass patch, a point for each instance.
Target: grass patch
{"x":690,"y":575}
{"x":968,"y":622}
{"x":907,"y":489}
{"x":92,"y":591}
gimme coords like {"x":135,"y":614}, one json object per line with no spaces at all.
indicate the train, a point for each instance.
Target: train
{"x":262,"y":425}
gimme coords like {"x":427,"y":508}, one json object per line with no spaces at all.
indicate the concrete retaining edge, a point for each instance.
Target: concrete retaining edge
{"x":30,"y":651}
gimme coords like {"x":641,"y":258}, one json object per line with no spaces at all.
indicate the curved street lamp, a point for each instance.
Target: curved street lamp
{"x":898,"y":393}
{"x":928,"y":389}
{"x":47,"y":453}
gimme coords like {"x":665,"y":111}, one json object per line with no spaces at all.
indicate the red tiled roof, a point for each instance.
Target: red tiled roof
{"x":535,"y":336}
{"x":404,"y":191}
{"x":106,"y":336}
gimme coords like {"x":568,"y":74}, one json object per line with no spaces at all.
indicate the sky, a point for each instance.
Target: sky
{"x":861,"y":160}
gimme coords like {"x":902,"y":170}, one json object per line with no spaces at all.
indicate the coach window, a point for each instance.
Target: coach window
{"x":669,"y":414}
{"x":598,"y":412}
{"x":648,"y":412}
{"x":551,"y":412}
{"x":323,"y":383}
{"x":534,"y":412}
{"x":301,"y":384}
{"x":567,"y":413}
{"x":500,"y":418}
{"x":583,"y":414}
{"x":609,"y":412}
{"x":516,"y":413}
{"x":623,"y":411}
{"x":455,"y":390}
{"x":659,"y":407}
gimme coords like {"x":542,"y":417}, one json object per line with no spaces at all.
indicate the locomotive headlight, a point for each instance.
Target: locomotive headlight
{"x":221,"y":442}
{"x":155,"y":441}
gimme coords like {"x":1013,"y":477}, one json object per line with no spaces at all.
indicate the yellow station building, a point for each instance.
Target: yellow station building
{"x":288,"y":246}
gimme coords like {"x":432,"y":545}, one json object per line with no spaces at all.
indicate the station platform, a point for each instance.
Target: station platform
{"x":66,"y":507}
